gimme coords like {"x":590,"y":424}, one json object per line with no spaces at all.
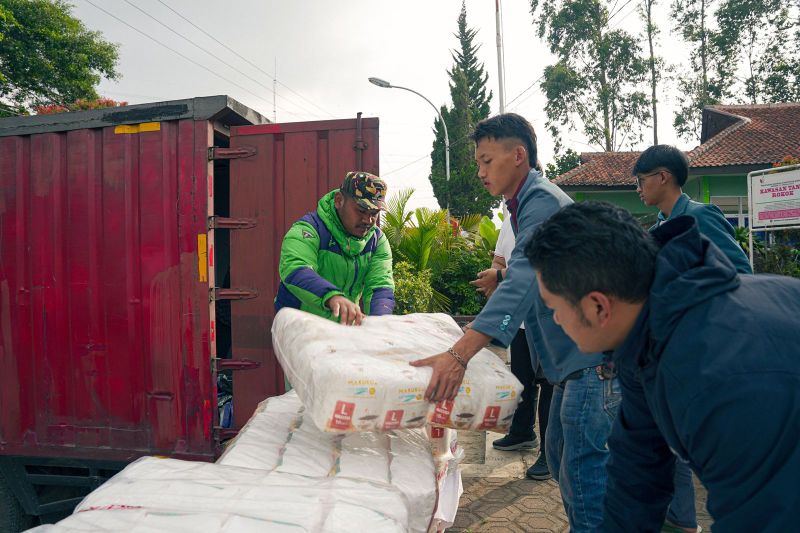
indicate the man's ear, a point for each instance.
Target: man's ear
{"x":338,"y":200}
{"x":520,"y":155}
{"x":598,"y":307}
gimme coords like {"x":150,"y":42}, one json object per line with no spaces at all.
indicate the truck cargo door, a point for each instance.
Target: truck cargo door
{"x":278,"y":172}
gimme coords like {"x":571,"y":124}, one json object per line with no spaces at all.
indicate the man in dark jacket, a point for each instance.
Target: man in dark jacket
{"x":660,"y":172}
{"x":700,"y":351}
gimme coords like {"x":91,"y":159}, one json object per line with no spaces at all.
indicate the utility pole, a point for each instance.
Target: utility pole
{"x":500,"y":73}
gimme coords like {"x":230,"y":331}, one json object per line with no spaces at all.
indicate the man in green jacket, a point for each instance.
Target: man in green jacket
{"x":336,"y":256}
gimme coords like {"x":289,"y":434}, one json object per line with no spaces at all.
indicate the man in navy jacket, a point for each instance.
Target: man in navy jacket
{"x":660,"y":172}
{"x":584,"y":400}
{"x":708,"y":360}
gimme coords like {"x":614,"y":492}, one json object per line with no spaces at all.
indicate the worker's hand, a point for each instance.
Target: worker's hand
{"x":348,"y":312}
{"x":467,"y":326}
{"x":446,"y":379}
{"x":486,"y":282}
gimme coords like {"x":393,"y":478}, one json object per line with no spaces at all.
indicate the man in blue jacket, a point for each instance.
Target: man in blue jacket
{"x":585,"y":395}
{"x":660,"y":172}
{"x":708,"y":360}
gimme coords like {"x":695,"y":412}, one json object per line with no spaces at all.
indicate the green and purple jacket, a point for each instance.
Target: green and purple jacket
{"x":319,"y":260}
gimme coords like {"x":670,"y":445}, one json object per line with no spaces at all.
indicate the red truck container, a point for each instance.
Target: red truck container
{"x":138,"y":259}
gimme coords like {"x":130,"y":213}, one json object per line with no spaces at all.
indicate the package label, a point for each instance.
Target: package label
{"x":393,"y":419}
{"x":343,"y":415}
{"x":490,"y":417}
{"x":441,"y":413}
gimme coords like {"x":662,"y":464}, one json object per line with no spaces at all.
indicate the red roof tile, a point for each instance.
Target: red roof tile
{"x":764,"y":134}
{"x":605,"y":169}
{"x":750,"y":135}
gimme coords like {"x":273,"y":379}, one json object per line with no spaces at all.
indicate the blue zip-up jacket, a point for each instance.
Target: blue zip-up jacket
{"x":712,"y":224}
{"x":517,"y":297}
{"x":711,"y":373}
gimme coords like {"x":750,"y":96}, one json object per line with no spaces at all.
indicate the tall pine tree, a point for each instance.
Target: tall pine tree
{"x":470,"y":104}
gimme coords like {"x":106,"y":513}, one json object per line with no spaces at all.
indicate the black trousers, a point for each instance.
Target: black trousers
{"x":537,"y":394}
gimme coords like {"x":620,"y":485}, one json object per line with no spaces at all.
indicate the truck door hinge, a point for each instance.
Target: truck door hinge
{"x":219,"y":293}
{"x":217,"y":152}
{"x":216,"y":222}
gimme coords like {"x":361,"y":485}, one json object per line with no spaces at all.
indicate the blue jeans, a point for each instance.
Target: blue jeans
{"x":681,"y":510}
{"x":581,"y":415}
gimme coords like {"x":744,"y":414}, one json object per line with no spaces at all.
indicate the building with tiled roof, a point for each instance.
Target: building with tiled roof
{"x":735,"y":140}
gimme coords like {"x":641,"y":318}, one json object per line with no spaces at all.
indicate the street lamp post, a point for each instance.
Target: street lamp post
{"x":386,"y":85}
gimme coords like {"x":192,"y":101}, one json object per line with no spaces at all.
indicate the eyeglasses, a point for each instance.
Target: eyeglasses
{"x":640,"y":179}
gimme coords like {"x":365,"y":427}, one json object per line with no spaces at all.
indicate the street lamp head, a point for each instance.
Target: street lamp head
{"x":380,"y":83}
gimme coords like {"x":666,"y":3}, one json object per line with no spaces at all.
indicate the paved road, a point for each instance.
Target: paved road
{"x":498,"y":498}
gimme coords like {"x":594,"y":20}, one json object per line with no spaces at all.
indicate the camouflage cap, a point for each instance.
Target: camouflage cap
{"x":368,"y":190}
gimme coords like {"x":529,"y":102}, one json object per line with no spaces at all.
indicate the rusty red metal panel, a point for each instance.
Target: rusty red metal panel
{"x":294,"y":165}
{"x":104,"y":317}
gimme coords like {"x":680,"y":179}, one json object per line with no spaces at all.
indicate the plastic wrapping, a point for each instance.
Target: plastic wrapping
{"x":192,"y":496}
{"x":280,"y":438}
{"x":283,"y":474}
{"x":358,"y":378}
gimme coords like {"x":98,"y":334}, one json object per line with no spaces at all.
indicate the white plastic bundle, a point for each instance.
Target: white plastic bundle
{"x":153,"y":494}
{"x":281,"y":473}
{"x":279,"y":437}
{"x":357,"y":378}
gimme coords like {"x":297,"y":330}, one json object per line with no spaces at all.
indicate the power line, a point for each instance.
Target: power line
{"x":617,"y":24}
{"x":234,"y":52}
{"x":190,"y":60}
{"x":540,"y":78}
{"x":204,"y":50}
{"x":617,"y":12}
{"x":384,"y":174}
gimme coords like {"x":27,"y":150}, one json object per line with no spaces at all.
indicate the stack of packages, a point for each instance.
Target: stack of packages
{"x":349,"y":449}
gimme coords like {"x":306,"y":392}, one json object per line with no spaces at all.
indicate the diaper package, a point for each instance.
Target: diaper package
{"x":281,"y":473}
{"x":358,"y":378}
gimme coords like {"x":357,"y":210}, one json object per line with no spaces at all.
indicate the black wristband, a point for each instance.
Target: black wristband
{"x":499,"y":275}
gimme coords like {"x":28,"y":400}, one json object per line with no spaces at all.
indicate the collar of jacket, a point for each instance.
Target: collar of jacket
{"x":349,"y":244}
{"x":689,"y":270}
{"x":513,"y":204}
{"x":677,"y":210}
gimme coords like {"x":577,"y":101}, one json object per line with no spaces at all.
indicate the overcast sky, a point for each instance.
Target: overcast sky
{"x":325,"y":50}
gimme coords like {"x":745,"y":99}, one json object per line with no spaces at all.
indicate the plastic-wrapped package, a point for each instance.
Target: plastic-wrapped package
{"x":281,"y":473}
{"x":149,"y":521}
{"x":358,"y":378}
{"x":199,"y":491}
{"x":400,"y":458}
{"x":260,"y":442}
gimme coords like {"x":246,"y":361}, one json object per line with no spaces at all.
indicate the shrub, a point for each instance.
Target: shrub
{"x":463,"y":265}
{"x":412,"y":290}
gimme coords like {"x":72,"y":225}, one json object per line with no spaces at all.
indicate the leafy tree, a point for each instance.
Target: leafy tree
{"x":755,"y":35}
{"x":709,"y":77}
{"x":47,"y":56}
{"x":563,"y":163}
{"x":595,"y":81}
{"x":470,"y":104}
{"x":81,"y":105}
{"x":654,"y":63}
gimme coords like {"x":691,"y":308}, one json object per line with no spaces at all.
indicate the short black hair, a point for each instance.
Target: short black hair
{"x":508,"y":126}
{"x":663,"y":156}
{"x":593,"y":246}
